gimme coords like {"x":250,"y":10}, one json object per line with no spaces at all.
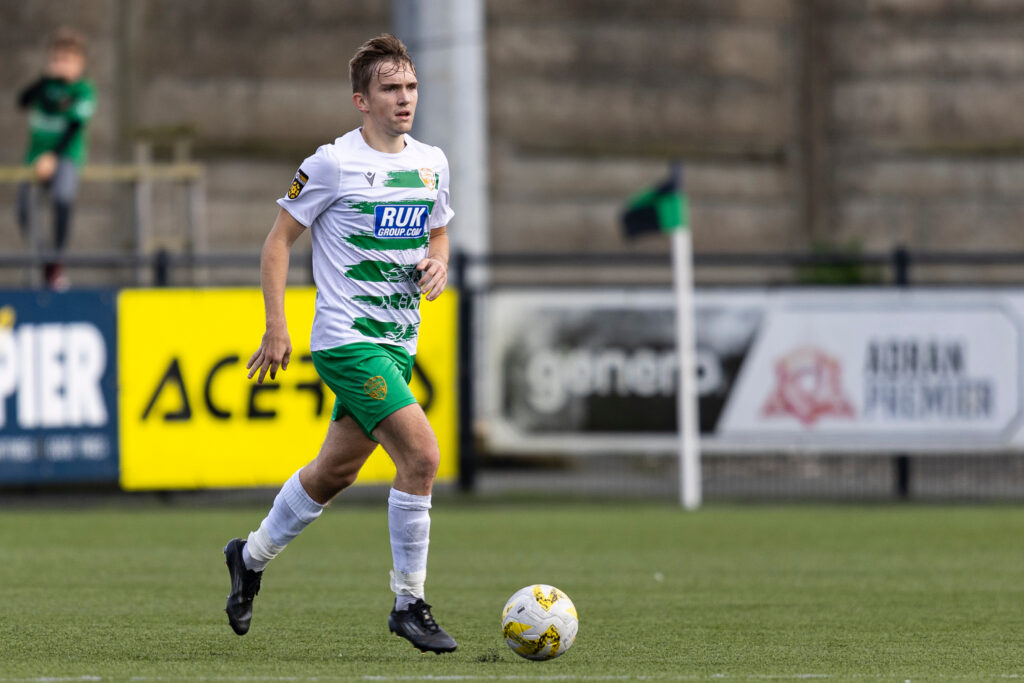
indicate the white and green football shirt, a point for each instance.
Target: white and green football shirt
{"x":370,"y":214}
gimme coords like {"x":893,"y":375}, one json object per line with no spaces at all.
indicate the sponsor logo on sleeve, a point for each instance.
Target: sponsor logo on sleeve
{"x":297,"y":184}
{"x":395,"y":221}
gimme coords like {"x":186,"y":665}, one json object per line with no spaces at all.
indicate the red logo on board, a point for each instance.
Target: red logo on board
{"x":808,"y":386}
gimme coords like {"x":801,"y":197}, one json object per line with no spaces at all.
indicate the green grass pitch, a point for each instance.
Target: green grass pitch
{"x":734,"y":593}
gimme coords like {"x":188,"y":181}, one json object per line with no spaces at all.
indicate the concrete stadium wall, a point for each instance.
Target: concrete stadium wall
{"x":927,"y":149}
{"x":803,"y":121}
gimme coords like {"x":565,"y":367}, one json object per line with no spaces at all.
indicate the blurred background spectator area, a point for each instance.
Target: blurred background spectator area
{"x":805,"y":124}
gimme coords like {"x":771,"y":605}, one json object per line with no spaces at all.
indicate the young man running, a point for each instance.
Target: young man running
{"x":377,"y":204}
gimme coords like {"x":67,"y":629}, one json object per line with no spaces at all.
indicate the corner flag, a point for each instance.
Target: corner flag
{"x":662,"y":208}
{"x":665,"y":209}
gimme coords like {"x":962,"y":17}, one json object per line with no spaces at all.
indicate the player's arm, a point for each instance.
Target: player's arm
{"x":33,"y":92}
{"x":276,"y":347}
{"x":435,"y":266}
{"x":80,"y":112}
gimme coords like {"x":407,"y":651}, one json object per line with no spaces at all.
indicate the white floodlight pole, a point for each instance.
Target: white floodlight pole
{"x":447,"y":39}
{"x":686,"y":349}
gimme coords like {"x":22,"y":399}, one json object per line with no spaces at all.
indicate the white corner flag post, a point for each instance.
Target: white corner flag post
{"x":686,"y":349}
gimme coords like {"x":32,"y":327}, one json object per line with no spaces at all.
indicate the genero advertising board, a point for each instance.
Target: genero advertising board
{"x":58,"y":387}
{"x":191,"y":419}
{"x":584,"y":371}
{"x":838,"y":370}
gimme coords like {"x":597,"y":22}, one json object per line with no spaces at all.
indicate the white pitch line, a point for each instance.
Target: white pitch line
{"x":467,"y":677}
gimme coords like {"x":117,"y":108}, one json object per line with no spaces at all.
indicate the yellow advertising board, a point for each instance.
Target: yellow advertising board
{"x":191,"y":419}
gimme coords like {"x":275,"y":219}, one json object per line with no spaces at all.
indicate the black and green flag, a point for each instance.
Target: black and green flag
{"x":660,"y":209}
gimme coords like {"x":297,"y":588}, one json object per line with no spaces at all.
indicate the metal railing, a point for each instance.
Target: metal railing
{"x":160,"y":264}
{"x":141,"y":175}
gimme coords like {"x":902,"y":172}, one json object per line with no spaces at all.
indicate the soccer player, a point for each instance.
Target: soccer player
{"x":377,"y":204}
{"x":60,"y":103}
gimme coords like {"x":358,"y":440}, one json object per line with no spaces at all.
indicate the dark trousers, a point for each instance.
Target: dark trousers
{"x":62,"y":187}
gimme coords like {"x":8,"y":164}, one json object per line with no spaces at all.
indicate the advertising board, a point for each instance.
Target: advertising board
{"x":191,"y":419}
{"x":827,"y":370}
{"x":58,"y":387}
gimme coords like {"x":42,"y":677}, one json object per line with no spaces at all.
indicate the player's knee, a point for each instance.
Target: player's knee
{"x":422,"y":465}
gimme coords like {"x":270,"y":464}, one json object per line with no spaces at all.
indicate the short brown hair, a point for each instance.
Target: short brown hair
{"x":66,"y":38}
{"x":372,"y":55}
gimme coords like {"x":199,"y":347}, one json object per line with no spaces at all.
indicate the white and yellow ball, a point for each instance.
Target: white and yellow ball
{"x":539,"y":622}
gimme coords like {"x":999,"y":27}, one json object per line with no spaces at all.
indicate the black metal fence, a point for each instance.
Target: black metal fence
{"x":899,"y":263}
{"x":897,"y":476}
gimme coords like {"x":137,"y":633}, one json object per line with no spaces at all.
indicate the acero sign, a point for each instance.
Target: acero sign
{"x":192,"y":419}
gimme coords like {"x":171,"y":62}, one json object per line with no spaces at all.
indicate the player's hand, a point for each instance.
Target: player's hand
{"x":275,"y":351}
{"x":45,"y":166}
{"x":435,"y":277}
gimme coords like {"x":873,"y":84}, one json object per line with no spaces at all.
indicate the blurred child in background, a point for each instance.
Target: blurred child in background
{"x":60,"y":103}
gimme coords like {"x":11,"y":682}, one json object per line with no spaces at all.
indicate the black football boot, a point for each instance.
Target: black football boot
{"x":417,"y":625}
{"x":245,"y":584}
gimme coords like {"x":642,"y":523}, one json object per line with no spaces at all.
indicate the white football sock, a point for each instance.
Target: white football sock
{"x":409,"y":526}
{"x":293,"y":511}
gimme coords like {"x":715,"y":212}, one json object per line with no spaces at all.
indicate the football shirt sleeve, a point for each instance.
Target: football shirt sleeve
{"x":85,"y":103}
{"x":314,"y":188}
{"x":442,"y":212}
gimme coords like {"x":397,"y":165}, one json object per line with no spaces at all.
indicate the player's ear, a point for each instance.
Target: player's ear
{"x":359,"y":100}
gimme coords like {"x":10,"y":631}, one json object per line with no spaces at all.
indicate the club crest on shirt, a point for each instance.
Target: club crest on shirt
{"x":297,"y":184}
{"x":429,"y":178}
{"x":397,"y":221}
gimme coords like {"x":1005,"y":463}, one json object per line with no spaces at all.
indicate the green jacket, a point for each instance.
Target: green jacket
{"x":59,"y":114}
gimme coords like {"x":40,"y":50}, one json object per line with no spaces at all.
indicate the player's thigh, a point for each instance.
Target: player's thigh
{"x":408,"y":438}
{"x":346,"y":447}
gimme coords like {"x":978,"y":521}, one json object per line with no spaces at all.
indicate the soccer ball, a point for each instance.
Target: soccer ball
{"x":539,"y":622}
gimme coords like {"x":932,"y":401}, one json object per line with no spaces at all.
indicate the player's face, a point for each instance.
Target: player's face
{"x":390,"y":103}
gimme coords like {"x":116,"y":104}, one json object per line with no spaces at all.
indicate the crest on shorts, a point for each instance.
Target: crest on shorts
{"x":297,"y":184}
{"x":429,"y":178}
{"x":376,"y":388}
